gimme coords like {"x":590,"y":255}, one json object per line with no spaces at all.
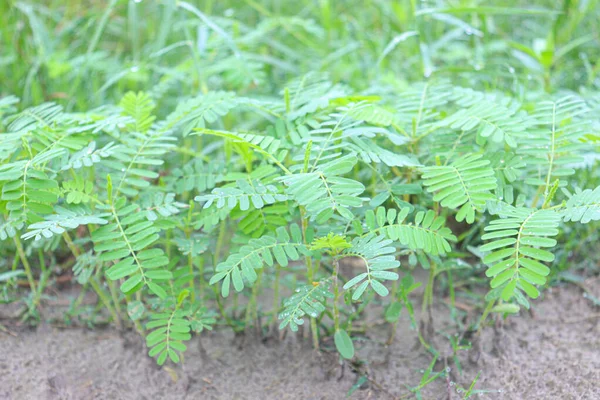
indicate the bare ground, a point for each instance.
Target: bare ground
{"x":552,"y":354}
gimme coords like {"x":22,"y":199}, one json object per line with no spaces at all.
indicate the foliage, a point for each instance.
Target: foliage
{"x":192,"y":149}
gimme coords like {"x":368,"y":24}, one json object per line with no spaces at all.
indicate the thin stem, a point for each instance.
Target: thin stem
{"x":43,"y":277}
{"x":105,"y":300}
{"x":115,"y":298}
{"x":228,"y":320}
{"x":201,"y":278}
{"x":310,"y":276}
{"x":487,"y":310}
{"x":452,"y":294}
{"x":252,"y":307}
{"x":336,"y":294}
{"x":25,"y":263}
{"x":74,"y":249}
{"x":220,"y":239}
{"x":276,"y":294}
{"x":81,"y":296}
{"x":188,"y":235}
{"x":428,"y":293}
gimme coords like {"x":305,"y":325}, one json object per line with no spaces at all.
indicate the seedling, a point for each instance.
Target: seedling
{"x":185,"y":190}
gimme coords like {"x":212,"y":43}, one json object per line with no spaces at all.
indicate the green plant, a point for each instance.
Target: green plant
{"x":170,"y":197}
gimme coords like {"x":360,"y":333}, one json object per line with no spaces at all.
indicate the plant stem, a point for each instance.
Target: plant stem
{"x":191,"y":272}
{"x":188,"y":235}
{"x":310,"y":276}
{"x":105,"y":300}
{"x":452,"y":294}
{"x":43,"y":277}
{"x":252,"y":307}
{"x":168,"y":243}
{"x":220,"y":238}
{"x":74,"y":249}
{"x":487,"y":310}
{"x":201,"y":279}
{"x":222,"y":309}
{"x":428,"y":293}
{"x":276,"y":294}
{"x":115,"y":312}
{"x":115,"y":299}
{"x":336,"y":295}
{"x":79,"y":299}
{"x":26,"y":265}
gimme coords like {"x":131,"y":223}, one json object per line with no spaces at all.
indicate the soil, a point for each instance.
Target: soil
{"x":552,"y":353}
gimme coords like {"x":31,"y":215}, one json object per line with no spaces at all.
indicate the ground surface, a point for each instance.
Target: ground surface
{"x":554,"y":354}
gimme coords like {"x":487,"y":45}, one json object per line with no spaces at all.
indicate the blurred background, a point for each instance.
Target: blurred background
{"x":84,"y":53}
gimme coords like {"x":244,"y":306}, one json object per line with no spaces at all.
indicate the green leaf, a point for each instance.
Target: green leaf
{"x":135,"y":310}
{"x":157,"y":290}
{"x":343,"y":344}
{"x":506,"y":308}
{"x":392,"y":312}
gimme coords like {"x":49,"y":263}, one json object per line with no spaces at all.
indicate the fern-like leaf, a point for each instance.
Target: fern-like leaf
{"x":134,"y":159}
{"x":554,"y":144}
{"x":140,"y":107}
{"x":266,"y":145}
{"x":325,"y":191}
{"x":30,"y":195}
{"x":426,"y":233}
{"x":499,"y":119}
{"x":198,"y":111}
{"x":241,"y":266}
{"x":159,"y":203}
{"x":378,"y":256}
{"x":257,"y":221}
{"x":169,"y":332}
{"x":307,"y":300}
{"x":466,"y":183}
{"x":63,"y":219}
{"x":126,"y":241}
{"x":88,"y":156}
{"x":583,"y":206}
{"x":197,"y":176}
{"x":246,"y":192}
{"x":517,"y":249}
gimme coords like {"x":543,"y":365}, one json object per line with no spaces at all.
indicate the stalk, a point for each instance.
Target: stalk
{"x":488,"y":309}
{"x":43,"y":277}
{"x":26,"y":265}
{"x":452,"y":294}
{"x":336,"y":295}
{"x":275,"y":295}
{"x":428,"y":293}
{"x":310,"y":275}
{"x":191,"y":272}
{"x":251,"y":307}
{"x":394,"y":296}
{"x":105,"y":300}
{"x":168,"y":243}
{"x":79,"y":299}
{"x":115,"y":312}
{"x":74,"y":249}
{"x":188,"y":235}
{"x":115,"y":298}
{"x":426,"y":306}
{"x":201,"y":278}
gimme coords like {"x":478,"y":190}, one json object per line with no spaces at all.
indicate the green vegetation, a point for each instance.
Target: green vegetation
{"x":183,"y":158}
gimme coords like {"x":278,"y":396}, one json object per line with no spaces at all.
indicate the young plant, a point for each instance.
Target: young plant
{"x":182,"y":204}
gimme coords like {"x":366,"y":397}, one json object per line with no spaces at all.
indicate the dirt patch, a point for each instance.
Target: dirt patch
{"x":554,"y":354}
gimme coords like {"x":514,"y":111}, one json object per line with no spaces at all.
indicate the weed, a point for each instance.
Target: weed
{"x":183,"y":160}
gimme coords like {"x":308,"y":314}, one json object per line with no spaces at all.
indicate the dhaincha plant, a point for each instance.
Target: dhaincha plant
{"x":183,"y":180}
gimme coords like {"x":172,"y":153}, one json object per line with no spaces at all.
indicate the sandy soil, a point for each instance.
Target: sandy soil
{"x":552,"y":354}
